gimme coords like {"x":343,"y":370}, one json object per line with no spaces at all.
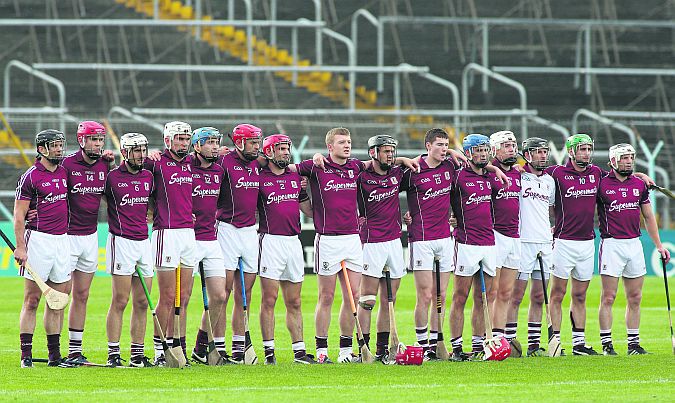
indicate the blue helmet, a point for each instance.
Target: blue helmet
{"x":474,"y":140}
{"x":199,"y":136}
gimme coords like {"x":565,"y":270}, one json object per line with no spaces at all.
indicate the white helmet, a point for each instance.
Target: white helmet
{"x":496,"y":140}
{"x":173,"y":128}
{"x":618,"y":151}
{"x":130,"y":140}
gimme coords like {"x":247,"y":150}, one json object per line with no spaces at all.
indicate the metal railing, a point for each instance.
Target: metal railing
{"x":7,"y":83}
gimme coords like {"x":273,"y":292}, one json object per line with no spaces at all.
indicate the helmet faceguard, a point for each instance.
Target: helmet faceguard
{"x":531,"y":146}
{"x":134,"y":142}
{"x":91,"y":130}
{"x":616,"y":153}
{"x":173,"y":129}
{"x":244,"y":133}
{"x":470,"y":143}
{"x":573,"y":143}
{"x":200,"y":137}
{"x":49,"y":139}
{"x":382,"y":140}
{"x":269,"y":149}
{"x":497,"y":142}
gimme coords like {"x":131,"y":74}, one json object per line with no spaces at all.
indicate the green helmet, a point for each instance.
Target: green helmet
{"x":572,"y":145}
{"x":573,"y":142}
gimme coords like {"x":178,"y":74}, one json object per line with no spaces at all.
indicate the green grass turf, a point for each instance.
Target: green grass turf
{"x":563,"y":379}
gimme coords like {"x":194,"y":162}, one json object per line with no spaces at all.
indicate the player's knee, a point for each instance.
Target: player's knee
{"x":294,"y":304}
{"x":81,"y":295}
{"x":459,"y":299}
{"x":140,"y":304}
{"x":269,"y":300}
{"x":326,"y":298}
{"x":504,"y":294}
{"x":537,"y":297}
{"x":119,"y":303}
{"x":608,"y":297}
{"x":634,"y":297}
{"x":367,"y":302}
{"x":579,"y":296}
{"x":31,"y":303}
{"x":218,"y":297}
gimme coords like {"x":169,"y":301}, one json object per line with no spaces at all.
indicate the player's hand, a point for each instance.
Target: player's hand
{"x":502,"y":177}
{"x":519,"y":168}
{"x":407,"y":218}
{"x":410,"y":163}
{"x":108,"y":155}
{"x":362,"y":221}
{"x":154,"y":155}
{"x":319,"y":161}
{"x":645,"y":178}
{"x":224,"y":150}
{"x":20,"y":255}
{"x":303,"y":183}
{"x":30,"y":215}
{"x":453,"y":221}
{"x":458,"y":158}
{"x":665,"y":254}
{"x":194,"y":219}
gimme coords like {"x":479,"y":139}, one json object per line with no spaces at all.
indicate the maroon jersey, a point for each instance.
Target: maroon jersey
{"x":47,"y":192}
{"x":279,"y":202}
{"x":238,"y":191}
{"x":378,"y":204}
{"x":575,"y":194}
{"x":86,"y":183}
{"x":472,"y":204}
{"x":506,"y":203}
{"x":173,"y":188}
{"x":128,"y":196}
{"x":428,"y":194}
{"x":333,"y":190}
{"x":619,"y":205}
{"x":205,"y":191}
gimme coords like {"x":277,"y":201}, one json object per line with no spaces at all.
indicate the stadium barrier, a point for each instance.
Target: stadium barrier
{"x":8,"y":266}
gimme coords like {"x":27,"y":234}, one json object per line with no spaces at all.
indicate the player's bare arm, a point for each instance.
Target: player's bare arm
{"x":20,"y":211}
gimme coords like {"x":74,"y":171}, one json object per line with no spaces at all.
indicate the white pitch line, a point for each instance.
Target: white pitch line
{"x":528,"y":384}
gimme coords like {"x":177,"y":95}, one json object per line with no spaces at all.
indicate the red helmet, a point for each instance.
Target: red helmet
{"x":89,"y":128}
{"x":497,"y":349}
{"x":245,"y":132}
{"x":272,"y":141}
{"x":411,"y":355}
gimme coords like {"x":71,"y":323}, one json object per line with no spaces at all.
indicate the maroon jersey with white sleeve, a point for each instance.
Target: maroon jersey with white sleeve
{"x":47,"y":192}
{"x":619,"y":206}
{"x":205,"y":190}
{"x":128,"y":196}
{"x":173,"y":188}
{"x":279,"y":202}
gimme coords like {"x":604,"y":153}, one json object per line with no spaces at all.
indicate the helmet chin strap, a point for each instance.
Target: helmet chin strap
{"x":508,"y":161}
{"x":624,"y":172}
{"x":180,"y":154}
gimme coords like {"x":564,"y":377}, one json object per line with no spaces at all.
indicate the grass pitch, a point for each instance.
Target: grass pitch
{"x":622,"y":378}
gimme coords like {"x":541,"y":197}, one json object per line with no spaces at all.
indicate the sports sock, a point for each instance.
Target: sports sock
{"x":74,"y":342}
{"x":533,"y":334}
{"x":183,"y":345}
{"x":299,"y":349}
{"x":578,"y":337}
{"x":422,"y":338}
{"x":476,"y":343}
{"x":633,"y":337}
{"x":220,"y":344}
{"x":456,"y":344}
{"x":381,"y":343}
{"x":268,"y":345}
{"x":497,"y":332}
{"x":157,"y":344}
{"x":238,"y":344}
{"x":202,"y":342}
{"x":511,"y":330}
{"x":321,"y":345}
{"x":433,"y":340}
{"x":345,"y":345}
{"x":113,"y":348}
{"x":137,"y":350}
{"x":605,"y":336}
{"x":26,"y":345}
{"x":169,"y":342}
{"x":54,"y":346}
{"x":366,"y":339}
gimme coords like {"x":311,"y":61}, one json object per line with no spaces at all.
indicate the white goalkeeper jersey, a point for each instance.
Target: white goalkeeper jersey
{"x":536,"y":195}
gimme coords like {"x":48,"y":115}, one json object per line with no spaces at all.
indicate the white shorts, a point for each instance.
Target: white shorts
{"x":376,"y":255}
{"x":573,"y":257}
{"x":281,"y":258}
{"x":238,"y":243}
{"x":529,"y":265}
{"x":84,"y":252}
{"x":330,"y":250}
{"x":174,"y":246}
{"x":422,"y":254}
{"x":469,"y":257}
{"x":48,"y":256}
{"x":621,"y":258}
{"x":211,"y":256}
{"x":508,"y":251}
{"x":124,"y":255}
